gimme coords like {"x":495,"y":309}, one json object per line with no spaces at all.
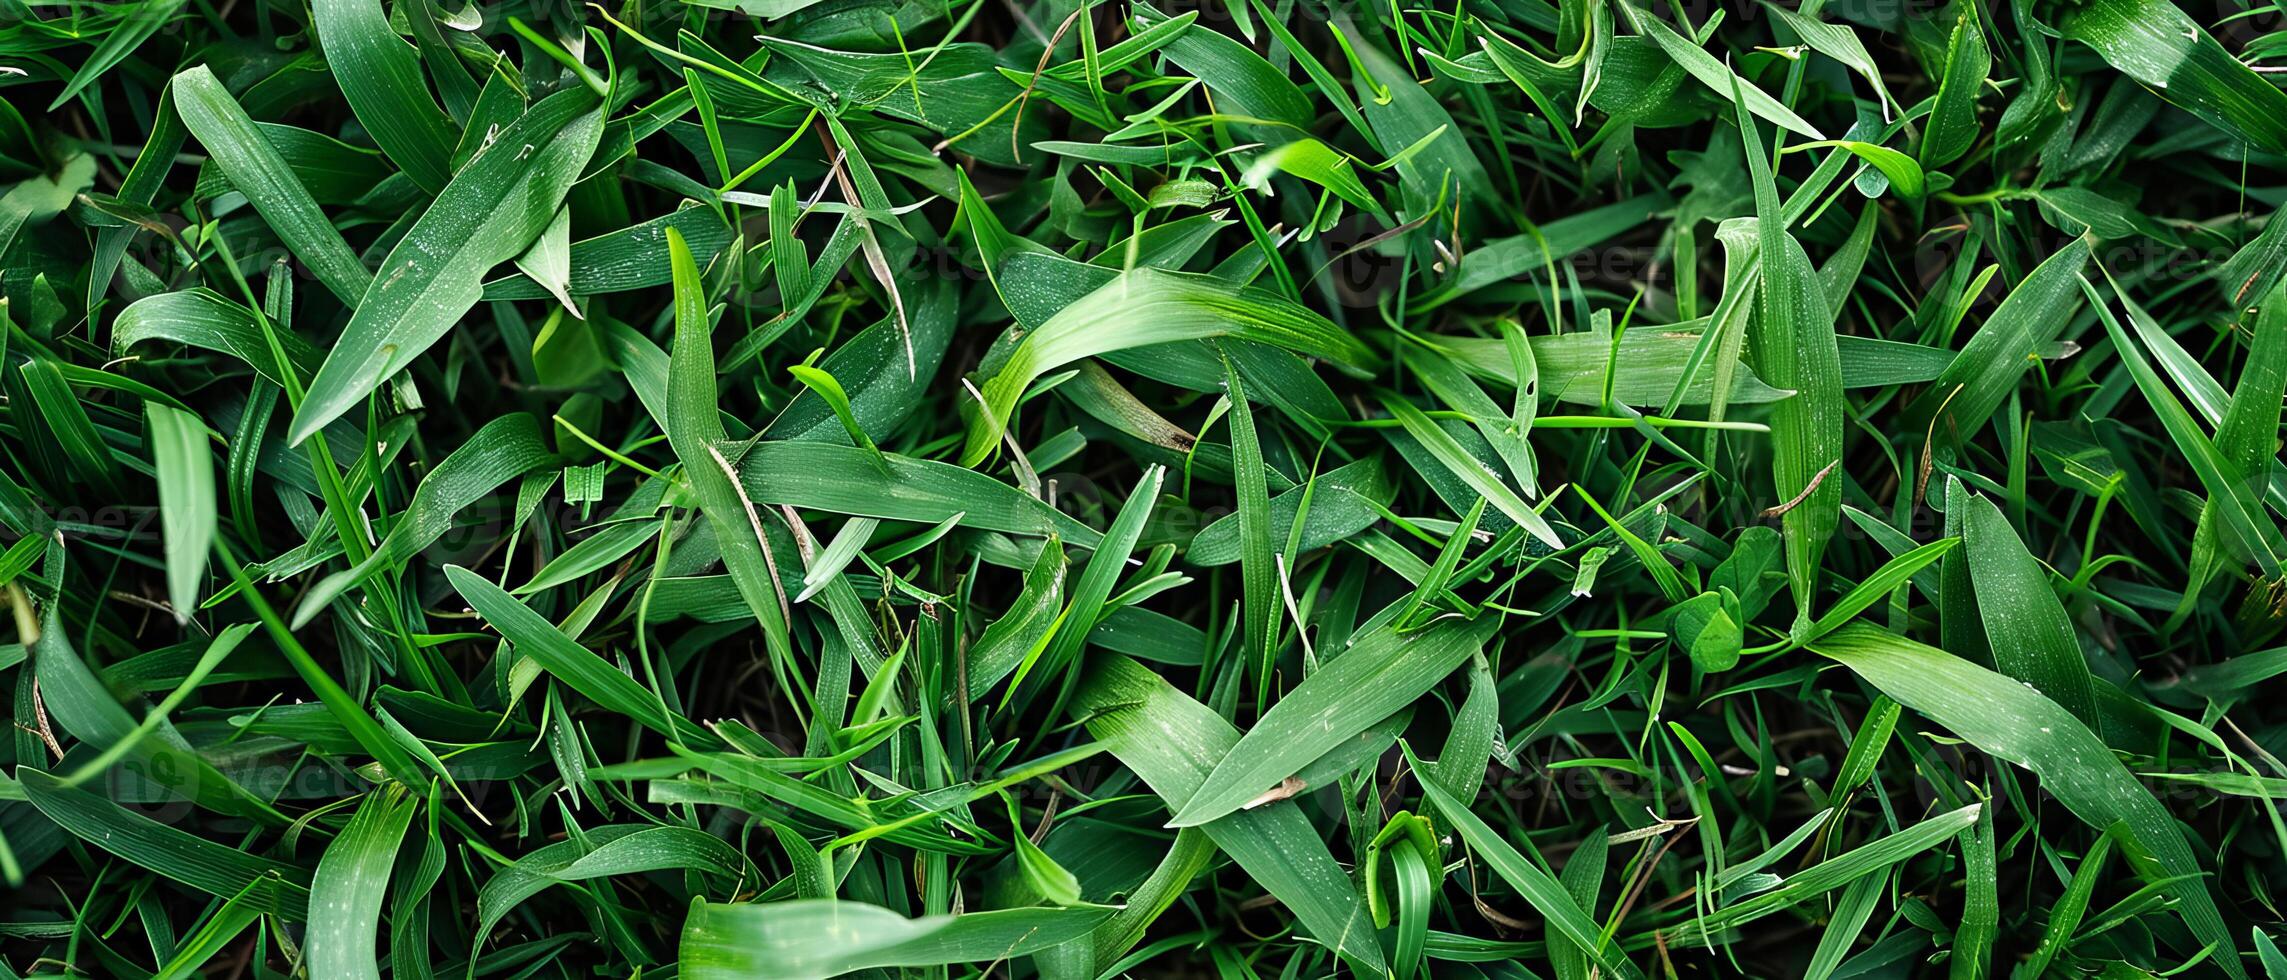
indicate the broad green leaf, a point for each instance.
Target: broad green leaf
{"x":1381,"y":672}
{"x":491,"y":212}
{"x":870,"y":368}
{"x":817,"y":939}
{"x":331,"y":171}
{"x":2067,"y":915}
{"x":1317,"y":163}
{"x":625,"y":260}
{"x":380,"y":76}
{"x":1435,"y":164}
{"x":2026,"y":626}
{"x":1343,"y":501}
{"x":186,"y":500}
{"x":548,"y":261}
{"x":1168,"y":739}
{"x":1981,"y":899}
{"x":255,"y":169}
{"x":351,"y":880}
{"x":2015,"y":723}
{"x":1791,"y":343}
{"x":1258,"y":571}
{"x":1247,"y":83}
{"x":220,"y":929}
{"x":1903,"y":173}
{"x":1708,"y":629}
{"x":1878,"y":586}
{"x":150,"y":757}
{"x":1953,"y":120}
{"x":2163,"y":48}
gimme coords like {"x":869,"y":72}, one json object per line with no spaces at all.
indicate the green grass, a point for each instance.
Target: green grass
{"x":793,"y":488}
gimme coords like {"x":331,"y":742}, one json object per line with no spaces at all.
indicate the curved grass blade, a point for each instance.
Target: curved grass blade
{"x":1258,"y":575}
{"x":1980,"y":377}
{"x":1791,"y":344}
{"x":1833,"y":873}
{"x":1953,"y":120}
{"x":1537,"y":887}
{"x":848,"y":480}
{"x":577,"y":666}
{"x":505,"y":448}
{"x":2246,"y":434}
{"x":1061,"y":647}
{"x":694,"y":424}
{"x":163,"y":762}
{"x":2243,"y":522}
{"x":617,"y":849}
{"x":1718,"y":78}
{"x":1468,"y":469}
{"x":1147,"y":306}
{"x":217,"y":869}
{"x":207,"y":320}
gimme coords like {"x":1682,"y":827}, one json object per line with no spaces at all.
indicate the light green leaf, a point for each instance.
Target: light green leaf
{"x":801,"y":940}
{"x":186,"y":500}
{"x":352,"y":879}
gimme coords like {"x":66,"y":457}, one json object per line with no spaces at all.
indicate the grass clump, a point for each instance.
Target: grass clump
{"x":1041,"y":489}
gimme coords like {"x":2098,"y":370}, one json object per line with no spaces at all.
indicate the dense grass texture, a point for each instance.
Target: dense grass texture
{"x":1551,"y":489}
